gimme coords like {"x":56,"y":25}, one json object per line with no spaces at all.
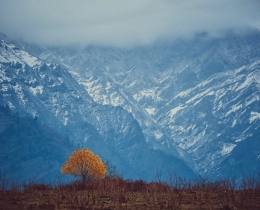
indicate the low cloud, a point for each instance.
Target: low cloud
{"x":122,"y":23}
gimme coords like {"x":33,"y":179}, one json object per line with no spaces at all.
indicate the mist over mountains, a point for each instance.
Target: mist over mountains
{"x":190,"y":106}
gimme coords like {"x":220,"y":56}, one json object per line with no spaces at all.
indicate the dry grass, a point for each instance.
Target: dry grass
{"x":133,"y":195}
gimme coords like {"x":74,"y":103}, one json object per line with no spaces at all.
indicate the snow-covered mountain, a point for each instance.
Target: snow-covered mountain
{"x":30,"y":84}
{"x":196,"y":99}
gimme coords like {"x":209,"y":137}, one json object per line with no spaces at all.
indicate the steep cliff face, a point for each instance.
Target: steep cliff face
{"x":196,"y":99}
{"x":217,"y":115}
{"x":29,"y":84}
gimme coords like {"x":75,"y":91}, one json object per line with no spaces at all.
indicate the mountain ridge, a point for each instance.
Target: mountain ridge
{"x":48,"y":91}
{"x":181,"y":93}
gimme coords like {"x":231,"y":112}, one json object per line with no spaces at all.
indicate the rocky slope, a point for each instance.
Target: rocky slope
{"x":29,"y":84}
{"x":30,"y":151}
{"x":197,"y":99}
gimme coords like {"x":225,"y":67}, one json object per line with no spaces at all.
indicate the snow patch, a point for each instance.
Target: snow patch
{"x":175,"y":110}
{"x":211,"y":93}
{"x":198,"y":96}
{"x":205,"y":82}
{"x":184,"y":93}
{"x":254,"y":116}
{"x":246,"y":83}
{"x":3,"y":76}
{"x":149,"y":93}
{"x":30,"y":60}
{"x":65,"y":120}
{"x":158,"y":134}
{"x":241,"y":138}
{"x":239,"y":69}
{"x":234,"y":123}
{"x":252,"y":100}
{"x":108,"y":85}
{"x":18,"y":89}
{"x":131,"y":84}
{"x":116,"y":100}
{"x":18,"y":53}
{"x":10,"y":105}
{"x":32,"y":81}
{"x":227,"y":148}
{"x":5,"y":87}
{"x":3,"y":60}
{"x":151,"y":111}
{"x":234,"y":108}
{"x":36,"y":90}
{"x":191,"y":127}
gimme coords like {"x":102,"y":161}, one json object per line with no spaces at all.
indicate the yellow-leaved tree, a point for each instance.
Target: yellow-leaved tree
{"x":84,"y":164}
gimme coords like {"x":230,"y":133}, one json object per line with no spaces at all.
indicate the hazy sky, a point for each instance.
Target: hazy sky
{"x":122,"y":22}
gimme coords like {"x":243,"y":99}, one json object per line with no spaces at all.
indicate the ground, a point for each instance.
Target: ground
{"x":67,"y":199}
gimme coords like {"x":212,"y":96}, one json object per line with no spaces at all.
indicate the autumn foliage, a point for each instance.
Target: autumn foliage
{"x":84,"y":164}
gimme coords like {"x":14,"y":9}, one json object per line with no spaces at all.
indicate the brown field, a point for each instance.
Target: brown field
{"x":133,"y":195}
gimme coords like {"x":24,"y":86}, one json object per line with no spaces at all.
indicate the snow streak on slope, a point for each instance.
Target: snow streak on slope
{"x":216,"y":109}
{"x":13,"y":54}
